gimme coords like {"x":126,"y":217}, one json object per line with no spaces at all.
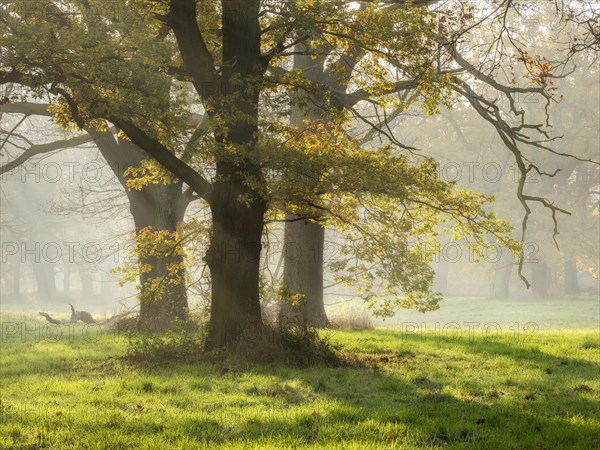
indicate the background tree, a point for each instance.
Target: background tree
{"x":156,"y":207}
{"x":228,"y":66}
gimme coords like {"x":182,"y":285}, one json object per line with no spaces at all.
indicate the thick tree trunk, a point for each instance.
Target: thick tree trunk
{"x":234,"y":262}
{"x":571,"y":278}
{"x":163,"y":293}
{"x":304,"y":241}
{"x":161,"y":207}
{"x":303,"y":273}
{"x":237,"y":197}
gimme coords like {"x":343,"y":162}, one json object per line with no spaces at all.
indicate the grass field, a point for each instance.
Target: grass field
{"x":580,"y":312}
{"x":407,"y":390}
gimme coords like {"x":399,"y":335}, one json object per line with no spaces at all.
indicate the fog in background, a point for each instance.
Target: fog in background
{"x":66,"y":229}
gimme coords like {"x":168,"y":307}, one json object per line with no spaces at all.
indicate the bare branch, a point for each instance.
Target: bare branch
{"x":39,"y":149}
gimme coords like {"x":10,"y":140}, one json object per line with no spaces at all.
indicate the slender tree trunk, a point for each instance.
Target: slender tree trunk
{"x":304,"y":242}
{"x":106,"y":285}
{"x":87,"y":282}
{"x":441,"y":276}
{"x":502,"y":273}
{"x":571,"y":278}
{"x":501,"y":283}
{"x":540,"y":279}
{"x":234,"y":262}
{"x":66,"y":277}
{"x":45,"y":280}
{"x":16,"y":278}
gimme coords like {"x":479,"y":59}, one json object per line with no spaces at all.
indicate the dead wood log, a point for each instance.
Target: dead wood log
{"x":50,"y":319}
{"x":85,"y":317}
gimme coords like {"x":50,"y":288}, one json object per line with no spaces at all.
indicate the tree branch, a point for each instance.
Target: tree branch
{"x":27,"y":108}
{"x":165,"y":157}
{"x":39,"y":149}
{"x":197,"y":59}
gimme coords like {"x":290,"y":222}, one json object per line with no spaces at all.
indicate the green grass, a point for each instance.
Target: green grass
{"x":411,"y":391}
{"x":578,"y":312}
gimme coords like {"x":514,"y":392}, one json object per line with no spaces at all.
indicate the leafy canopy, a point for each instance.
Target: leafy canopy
{"x":125,"y":66}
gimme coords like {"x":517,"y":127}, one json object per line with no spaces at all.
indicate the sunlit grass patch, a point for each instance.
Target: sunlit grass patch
{"x":406,"y":391}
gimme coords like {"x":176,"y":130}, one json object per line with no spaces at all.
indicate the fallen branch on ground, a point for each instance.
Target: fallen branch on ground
{"x":85,"y":317}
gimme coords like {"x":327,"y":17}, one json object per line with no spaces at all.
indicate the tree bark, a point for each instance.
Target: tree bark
{"x":237,"y":198}
{"x":161,"y":207}
{"x":157,"y":207}
{"x":304,"y":242}
{"x":234,"y":262}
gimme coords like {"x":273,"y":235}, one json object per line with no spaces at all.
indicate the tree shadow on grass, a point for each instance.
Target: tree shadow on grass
{"x":377,"y":407}
{"x":370,"y":403}
{"x":69,"y":354}
{"x":367,"y":404}
{"x":374,"y":405}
